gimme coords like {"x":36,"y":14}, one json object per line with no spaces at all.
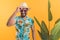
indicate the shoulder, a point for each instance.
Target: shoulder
{"x":31,"y":20}
{"x":17,"y":17}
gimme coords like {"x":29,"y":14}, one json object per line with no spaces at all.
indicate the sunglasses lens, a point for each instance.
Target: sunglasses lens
{"x":24,"y":9}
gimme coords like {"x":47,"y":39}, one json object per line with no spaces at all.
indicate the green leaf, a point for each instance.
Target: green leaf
{"x":57,"y":21}
{"x":44,"y":27}
{"x":56,"y":28}
{"x":51,"y":37}
{"x":37,"y":21}
{"x":56,"y":31}
{"x":49,"y":16}
{"x":49,"y":12}
{"x":43,"y":35}
{"x":44,"y":31}
{"x":48,"y":4}
{"x":39,"y":33}
{"x":57,"y":36}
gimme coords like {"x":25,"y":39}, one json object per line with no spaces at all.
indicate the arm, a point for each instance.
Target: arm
{"x":11,"y":20}
{"x":33,"y":33}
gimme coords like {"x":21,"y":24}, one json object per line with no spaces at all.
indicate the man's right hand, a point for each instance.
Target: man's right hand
{"x":17,"y":9}
{"x":11,"y":20}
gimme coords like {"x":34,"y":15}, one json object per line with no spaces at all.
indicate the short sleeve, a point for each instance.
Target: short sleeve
{"x":15,"y":18}
{"x":32,"y":22}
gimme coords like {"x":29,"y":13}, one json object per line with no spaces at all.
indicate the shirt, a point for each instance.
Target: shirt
{"x":23,"y":27}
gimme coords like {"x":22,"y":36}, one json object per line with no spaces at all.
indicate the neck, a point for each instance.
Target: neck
{"x":23,"y":16}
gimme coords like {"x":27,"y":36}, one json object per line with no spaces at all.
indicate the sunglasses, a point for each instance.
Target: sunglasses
{"x":24,"y":9}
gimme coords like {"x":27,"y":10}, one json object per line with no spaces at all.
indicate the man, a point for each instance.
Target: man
{"x":23,"y":23}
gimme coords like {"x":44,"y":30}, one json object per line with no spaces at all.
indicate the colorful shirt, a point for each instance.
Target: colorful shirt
{"x":23,"y":27}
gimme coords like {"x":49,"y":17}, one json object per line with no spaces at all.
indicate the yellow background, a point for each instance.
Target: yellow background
{"x":39,"y":8}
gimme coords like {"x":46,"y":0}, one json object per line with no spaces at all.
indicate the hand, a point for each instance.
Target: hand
{"x":17,"y":9}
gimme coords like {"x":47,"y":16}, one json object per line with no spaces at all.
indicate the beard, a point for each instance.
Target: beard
{"x":23,"y":14}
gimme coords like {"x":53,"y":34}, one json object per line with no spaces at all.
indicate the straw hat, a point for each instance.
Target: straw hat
{"x":24,"y":5}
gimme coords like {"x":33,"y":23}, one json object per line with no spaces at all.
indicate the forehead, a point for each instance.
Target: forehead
{"x":23,"y":8}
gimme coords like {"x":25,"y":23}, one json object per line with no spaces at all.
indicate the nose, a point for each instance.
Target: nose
{"x":23,"y":11}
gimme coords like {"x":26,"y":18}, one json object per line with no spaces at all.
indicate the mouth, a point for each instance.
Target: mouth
{"x":23,"y":14}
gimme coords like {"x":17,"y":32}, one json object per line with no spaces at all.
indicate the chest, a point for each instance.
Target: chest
{"x":20,"y":23}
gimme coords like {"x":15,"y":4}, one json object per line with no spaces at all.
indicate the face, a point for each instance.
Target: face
{"x":23,"y":11}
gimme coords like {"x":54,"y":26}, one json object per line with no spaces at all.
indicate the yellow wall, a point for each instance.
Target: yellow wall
{"x":38,"y":9}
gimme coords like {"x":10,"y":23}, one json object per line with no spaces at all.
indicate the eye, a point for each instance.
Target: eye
{"x":25,"y":10}
{"x":21,"y":10}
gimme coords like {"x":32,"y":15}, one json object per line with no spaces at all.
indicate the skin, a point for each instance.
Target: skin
{"x":23,"y":11}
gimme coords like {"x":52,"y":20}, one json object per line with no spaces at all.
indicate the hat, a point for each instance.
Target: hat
{"x":23,"y":5}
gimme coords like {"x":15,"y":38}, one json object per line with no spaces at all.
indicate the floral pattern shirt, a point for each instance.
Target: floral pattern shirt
{"x":23,"y":27}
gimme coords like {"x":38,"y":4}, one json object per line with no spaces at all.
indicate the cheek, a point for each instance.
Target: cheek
{"x":23,"y":13}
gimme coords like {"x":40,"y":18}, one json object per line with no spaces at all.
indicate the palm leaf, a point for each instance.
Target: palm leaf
{"x":49,"y":12}
{"x":49,"y":5}
{"x":44,"y":27}
{"x":37,"y":21}
{"x":44,"y":34}
{"x":56,"y":31}
{"x":44,"y":31}
{"x":49,"y":16}
{"x":57,"y":21}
